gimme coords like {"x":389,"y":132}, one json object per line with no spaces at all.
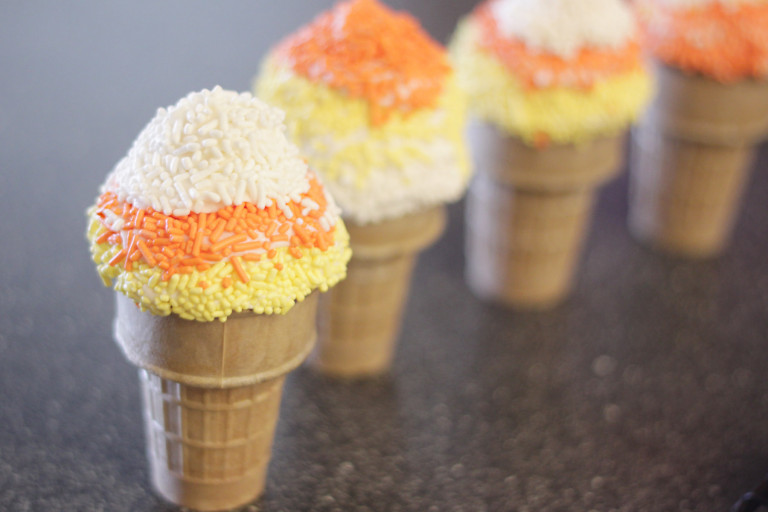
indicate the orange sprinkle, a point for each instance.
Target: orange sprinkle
{"x":251,"y":257}
{"x":209,"y":256}
{"x":230,"y":240}
{"x":117,"y":258}
{"x":139,"y":218}
{"x":146,"y":252}
{"x":279,"y":266}
{"x":200,"y":234}
{"x":226,"y":283}
{"x":371,"y":52}
{"x":589,"y":66}
{"x":104,"y":237}
{"x":218,"y":230}
{"x":295,"y":252}
{"x":302,"y":233}
{"x":239,"y":269}
{"x":202,"y":284}
{"x":271,"y":253}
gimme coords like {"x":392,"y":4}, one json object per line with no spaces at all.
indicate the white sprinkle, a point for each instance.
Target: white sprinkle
{"x":207,"y":127}
{"x":166,"y":205}
{"x":310,"y":204}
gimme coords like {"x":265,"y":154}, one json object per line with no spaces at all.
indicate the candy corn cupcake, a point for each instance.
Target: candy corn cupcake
{"x":553,"y":86}
{"x":374,"y":105}
{"x":693,"y":151}
{"x":215,"y":234}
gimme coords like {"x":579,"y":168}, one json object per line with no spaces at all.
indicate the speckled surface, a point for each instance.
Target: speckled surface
{"x":644,"y":392}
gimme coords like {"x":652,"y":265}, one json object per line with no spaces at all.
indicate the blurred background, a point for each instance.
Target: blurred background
{"x":645,"y":391}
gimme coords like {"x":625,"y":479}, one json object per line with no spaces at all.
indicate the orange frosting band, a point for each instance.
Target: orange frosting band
{"x":370,"y":52}
{"x":537,"y":70}
{"x":180,"y":245}
{"x":727,"y":43}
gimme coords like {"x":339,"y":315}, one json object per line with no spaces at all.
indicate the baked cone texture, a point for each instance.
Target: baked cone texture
{"x":692,"y":155}
{"x":685,"y":195}
{"x":361,"y":316}
{"x":211,"y":395}
{"x":528,"y":212}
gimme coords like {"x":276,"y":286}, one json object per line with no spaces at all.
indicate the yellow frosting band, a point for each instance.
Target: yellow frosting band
{"x":201,"y":296}
{"x":558,"y":114}
{"x":335,"y":132}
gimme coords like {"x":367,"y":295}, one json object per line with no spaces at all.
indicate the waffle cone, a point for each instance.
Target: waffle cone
{"x":694,"y":107}
{"x":685,"y":195}
{"x":211,"y":396}
{"x":692,"y":155}
{"x":527,"y":214}
{"x":361,"y":316}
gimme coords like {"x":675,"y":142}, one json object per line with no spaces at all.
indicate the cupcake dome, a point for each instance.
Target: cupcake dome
{"x":213,"y":211}
{"x":552,"y":70}
{"x":372,"y":102}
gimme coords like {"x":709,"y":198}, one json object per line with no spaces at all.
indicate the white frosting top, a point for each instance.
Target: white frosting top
{"x":563,"y":27}
{"x":211,"y":150}
{"x":393,"y":190}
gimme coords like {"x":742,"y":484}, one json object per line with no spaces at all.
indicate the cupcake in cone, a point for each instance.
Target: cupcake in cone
{"x":693,"y":150}
{"x":216,"y":236}
{"x":372,"y":102}
{"x":553,"y":86}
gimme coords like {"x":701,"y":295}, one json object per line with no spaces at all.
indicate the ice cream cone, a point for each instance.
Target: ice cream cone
{"x":361,"y":316}
{"x":685,"y":195}
{"x":211,"y":394}
{"x":527,"y":214}
{"x":692,"y":155}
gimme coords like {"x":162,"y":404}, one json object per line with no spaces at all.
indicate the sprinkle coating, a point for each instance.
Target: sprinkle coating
{"x":267,"y":281}
{"x":385,"y":127}
{"x":550,"y":113}
{"x":212,"y":149}
{"x":372,"y":53}
{"x":373,"y":171}
{"x":726,"y":41}
{"x":262,"y":250}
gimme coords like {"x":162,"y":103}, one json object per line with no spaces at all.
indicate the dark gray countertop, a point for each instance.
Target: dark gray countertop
{"x":644,"y":392}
